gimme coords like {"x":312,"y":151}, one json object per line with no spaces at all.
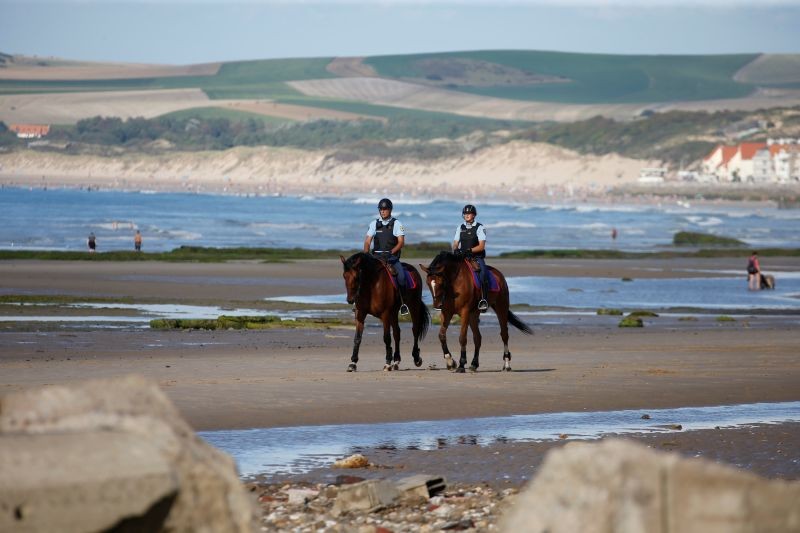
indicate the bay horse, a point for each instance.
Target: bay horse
{"x":371,"y":288}
{"x":450,"y":280}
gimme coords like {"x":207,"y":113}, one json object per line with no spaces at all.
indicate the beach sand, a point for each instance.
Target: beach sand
{"x":296,"y":377}
{"x":285,"y":377}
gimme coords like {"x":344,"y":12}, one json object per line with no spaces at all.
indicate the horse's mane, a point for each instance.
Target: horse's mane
{"x":444,"y":259}
{"x":363,"y":260}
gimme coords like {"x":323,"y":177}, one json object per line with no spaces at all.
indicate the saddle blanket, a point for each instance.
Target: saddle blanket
{"x":411,"y":283}
{"x":494,"y":284}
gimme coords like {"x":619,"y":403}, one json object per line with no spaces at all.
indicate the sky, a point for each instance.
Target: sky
{"x":199,"y":31}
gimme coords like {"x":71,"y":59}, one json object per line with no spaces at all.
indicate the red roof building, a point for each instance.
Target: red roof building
{"x":30,"y":131}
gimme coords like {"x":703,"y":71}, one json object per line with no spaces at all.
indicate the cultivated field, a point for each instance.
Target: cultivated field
{"x":381,"y":91}
{"x":68,"y":108}
{"x":771,"y":69}
{"x":36,"y":68}
{"x":507,"y":85}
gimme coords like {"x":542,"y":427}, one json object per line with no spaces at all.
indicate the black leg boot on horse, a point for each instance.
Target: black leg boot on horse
{"x":483,"y":304}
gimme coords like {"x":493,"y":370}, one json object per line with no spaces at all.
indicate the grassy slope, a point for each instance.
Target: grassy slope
{"x":231,"y":114}
{"x":597,"y":78}
{"x":394,"y":112}
{"x":241,"y":79}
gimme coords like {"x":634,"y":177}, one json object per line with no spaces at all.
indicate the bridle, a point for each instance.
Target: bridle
{"x":439,"y":274}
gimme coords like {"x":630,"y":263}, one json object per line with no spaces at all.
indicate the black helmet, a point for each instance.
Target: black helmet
{"x":385,"y":204}
{"x":469,"y":208}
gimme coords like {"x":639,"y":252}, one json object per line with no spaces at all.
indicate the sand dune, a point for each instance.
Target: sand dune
{"x":515,"y":169}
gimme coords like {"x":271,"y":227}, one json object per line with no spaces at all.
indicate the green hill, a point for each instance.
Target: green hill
{"x":519,"y":75}
{"x":574,"y":78}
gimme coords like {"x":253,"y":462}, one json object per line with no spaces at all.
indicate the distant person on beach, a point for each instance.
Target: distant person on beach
{"x":753,"y":272}
{"x":137,"y":241}
{"x":470,"y":241}
{"x":613,"y":234}
{"x":386,"y":235}
{"x":92,"y":241}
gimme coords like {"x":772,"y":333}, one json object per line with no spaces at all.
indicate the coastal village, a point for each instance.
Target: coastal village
{"x":774,"y":161}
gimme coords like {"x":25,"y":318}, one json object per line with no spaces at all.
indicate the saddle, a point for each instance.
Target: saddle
{"x":389,"y":267}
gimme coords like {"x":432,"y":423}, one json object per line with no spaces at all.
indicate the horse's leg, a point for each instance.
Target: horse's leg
{"x":448,"y":359}
{"x":387,"y":341}
{"x":476,"y":339}
{"x":357,"y":340}
{"x":396,"y":334}
{"x":501,"y":310}
{"x":462,"y":340}
{"x":416,"y":330}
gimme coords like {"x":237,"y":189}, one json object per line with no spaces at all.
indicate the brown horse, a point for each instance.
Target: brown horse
{"x":454,"y":292}
{"x":370,"y":288}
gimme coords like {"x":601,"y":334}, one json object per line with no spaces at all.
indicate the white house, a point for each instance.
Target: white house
{"x":772,"y":161}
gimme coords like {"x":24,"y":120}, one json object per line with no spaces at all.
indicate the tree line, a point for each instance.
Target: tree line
{"x":671,"y":136}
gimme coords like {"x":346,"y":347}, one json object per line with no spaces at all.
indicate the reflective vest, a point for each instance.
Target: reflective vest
{"x":468,"y":239}
{"x":384,"y":239}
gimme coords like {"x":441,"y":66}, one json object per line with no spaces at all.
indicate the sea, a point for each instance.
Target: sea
{"x":61,"y":219}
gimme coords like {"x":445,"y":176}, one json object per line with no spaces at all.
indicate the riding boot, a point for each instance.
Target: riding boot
{"x":401,"y":291}
{"x":483,"y":305}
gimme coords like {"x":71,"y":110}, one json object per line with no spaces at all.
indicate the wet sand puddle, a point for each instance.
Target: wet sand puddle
{"x":575,"y":294}
{"x":143,"y":313}
{"x":295,"y":450}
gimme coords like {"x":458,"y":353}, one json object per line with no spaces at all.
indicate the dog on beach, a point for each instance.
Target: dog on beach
{"x":767,"y":281}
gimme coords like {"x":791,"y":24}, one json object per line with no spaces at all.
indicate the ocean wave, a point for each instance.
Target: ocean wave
{"x":698,"y":220}
{"x":184,"y":234}
{"x":409,"y":214}
{"x":403,"y":201}
{"x":513,"y":225}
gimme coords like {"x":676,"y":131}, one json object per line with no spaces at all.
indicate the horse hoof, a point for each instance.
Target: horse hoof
{"x":395,"y":366}
{"x":450,"y":363}
{"x":507,"y":368}
{"x":473,"y":368}
{"x":460,"y":370}
{"x":351,"y":367}
{"x":418,"y":362}
{"x":387,"y":367}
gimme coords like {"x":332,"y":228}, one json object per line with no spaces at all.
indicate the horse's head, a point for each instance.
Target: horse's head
{"x":438,"y":276}
{"x":353,"y":267}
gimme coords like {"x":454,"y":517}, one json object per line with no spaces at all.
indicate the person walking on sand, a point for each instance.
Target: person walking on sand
{"x":137,"y":241}
{"x":470,"y":241}
{"x":386,"y":235}
{"x":753,"y":272}
{"x":92,"y":242}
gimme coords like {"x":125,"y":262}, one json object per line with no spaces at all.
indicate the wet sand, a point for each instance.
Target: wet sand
{"x":282,"y":377}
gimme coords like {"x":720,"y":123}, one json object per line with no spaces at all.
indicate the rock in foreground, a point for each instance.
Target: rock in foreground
{"x":112,"y":454}
{"x":620,"y":486}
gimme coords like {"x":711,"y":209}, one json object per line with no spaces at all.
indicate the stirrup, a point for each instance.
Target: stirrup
{"x":483,"y":305}
{"x":404,"y":309}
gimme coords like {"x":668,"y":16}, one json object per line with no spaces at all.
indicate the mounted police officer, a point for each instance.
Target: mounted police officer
{"x":387,"y":236}
{"x":470,"y":241}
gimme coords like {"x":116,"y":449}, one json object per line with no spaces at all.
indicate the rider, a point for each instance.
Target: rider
{"x":470,"y":240}
{"x":387,"y":235}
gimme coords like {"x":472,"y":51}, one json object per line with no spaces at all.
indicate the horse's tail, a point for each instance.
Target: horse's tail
{"x":519,"y":324}
{"x":425,"y":315}
{"x":425,"y":319}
